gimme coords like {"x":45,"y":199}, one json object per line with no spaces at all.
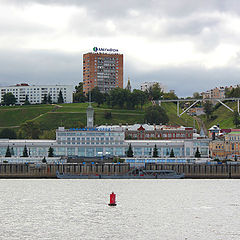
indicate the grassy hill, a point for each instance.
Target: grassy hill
{"x":73,"y":115}
{"x":221,"y":116}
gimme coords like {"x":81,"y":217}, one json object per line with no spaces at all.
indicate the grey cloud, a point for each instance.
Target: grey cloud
{"x":186,"y":80}
{"x":155,"y":7}
{"x":49,"y":67}
{"x":23,"y":28}
{"x":36,"y":67}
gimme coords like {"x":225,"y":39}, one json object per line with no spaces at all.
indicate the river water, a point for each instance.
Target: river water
{"x":147,"y":209}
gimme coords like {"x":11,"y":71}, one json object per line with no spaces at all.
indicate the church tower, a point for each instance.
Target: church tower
{"x":128,"y":87}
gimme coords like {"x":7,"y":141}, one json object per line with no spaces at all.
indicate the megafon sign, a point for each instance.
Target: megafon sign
{"x":96,"y":49}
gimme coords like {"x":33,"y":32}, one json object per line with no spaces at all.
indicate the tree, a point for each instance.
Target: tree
{"x":30,"y":130}
{"x":8,"y":133}
{"x":12,"y":151}
{"x":8,"y":152}
{"x":196,"y":95}
{"x":79,"y":96}
{"x":60,"y":97}
{"x":118,"y":97}
{"x":155,"y":92}
{"x":44,"y":160}
{"x":155,"y":151}
{"x":170,"y":96}
{"x":50,"y":152}
{"x":236,"y":120}
{"x":25,"y":151}
{"x":49,"y":99}
{"x":156,"y":114}
{"x":172,"y":154}
{"x":208,"y":108}
{"x":130,"y":151}
{"x":97,"y":96}
{"x":45,"y":99}
{"x":26,"y":101}
{"x":9,"y":99}
{"x":197,"y":153}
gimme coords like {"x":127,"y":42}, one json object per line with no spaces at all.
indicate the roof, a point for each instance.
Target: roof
{"x":27,"y":140}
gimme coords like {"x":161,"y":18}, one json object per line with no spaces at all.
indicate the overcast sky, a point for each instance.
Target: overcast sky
{"x":187,"y":45}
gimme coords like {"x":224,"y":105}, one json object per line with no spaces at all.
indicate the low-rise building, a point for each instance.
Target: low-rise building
{"x":103,"y":142}
{"x":217,"y":92}
{"x":37,"y":93}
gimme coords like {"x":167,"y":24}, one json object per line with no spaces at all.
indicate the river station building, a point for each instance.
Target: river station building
{"x":102,"y":70}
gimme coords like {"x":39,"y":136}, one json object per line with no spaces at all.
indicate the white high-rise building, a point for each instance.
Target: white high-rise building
{"x":145,"y":86}
{"x":36,"y":93}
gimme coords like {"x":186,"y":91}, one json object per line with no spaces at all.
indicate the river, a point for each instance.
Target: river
{"x":147,"y":209}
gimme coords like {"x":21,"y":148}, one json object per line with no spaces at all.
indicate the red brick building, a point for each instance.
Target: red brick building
{"x":158,"y":132}
{"x":102,"y":70}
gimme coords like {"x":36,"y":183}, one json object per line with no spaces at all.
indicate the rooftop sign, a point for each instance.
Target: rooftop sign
{"x":96,"y":49}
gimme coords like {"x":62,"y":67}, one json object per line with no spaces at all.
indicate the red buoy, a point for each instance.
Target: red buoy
{"x":112,"y":199}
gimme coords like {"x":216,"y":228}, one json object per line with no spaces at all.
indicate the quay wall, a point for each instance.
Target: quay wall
{"x":49,"y":170}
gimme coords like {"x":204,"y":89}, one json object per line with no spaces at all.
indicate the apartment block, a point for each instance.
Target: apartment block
{"x":36,"y":93}
{"x":102,"y":70}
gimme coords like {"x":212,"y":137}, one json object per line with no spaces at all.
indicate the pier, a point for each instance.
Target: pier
{"x":49,"y":170}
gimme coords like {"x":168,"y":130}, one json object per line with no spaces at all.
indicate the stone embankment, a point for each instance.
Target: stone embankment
{"x":49,"y":170}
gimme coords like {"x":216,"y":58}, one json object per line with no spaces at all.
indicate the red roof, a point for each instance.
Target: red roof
{"x":141,"y":128}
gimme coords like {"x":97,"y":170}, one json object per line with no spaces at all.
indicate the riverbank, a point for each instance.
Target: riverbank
{"x":198,"y":171}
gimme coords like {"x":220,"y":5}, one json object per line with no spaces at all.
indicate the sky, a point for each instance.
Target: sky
{"x":188,"y":45}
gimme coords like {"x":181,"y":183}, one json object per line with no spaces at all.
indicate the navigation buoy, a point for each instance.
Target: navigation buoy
{"x":112,"y":199}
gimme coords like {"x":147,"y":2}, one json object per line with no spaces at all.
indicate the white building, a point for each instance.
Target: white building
{"x":145,"y":86}
{"x":99,"y":142}
{"x":36,"y":93}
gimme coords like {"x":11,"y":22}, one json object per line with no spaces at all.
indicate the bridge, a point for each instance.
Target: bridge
{"x":195,"y":101}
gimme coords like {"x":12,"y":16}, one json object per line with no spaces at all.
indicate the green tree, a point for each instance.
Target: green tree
{"x":170,"y":96}
{"x":49,"y":99}
{"x":155,"y":114}
{"x":9,"y":99}
{"x":155,"y":151}
{"x":196,"y":95}
{"x":118,"y":97}
{"x":130,"y":151}
{"x":50,"y":152}
{"x":155,"y":92}
{"x":12,"y":151}
{"x":8,"y":133}
{"x":25,"y":151}
{"x":97,"y":96}
{"x":79,"y":96}
{"x":30,"y":130}
{"x":26,"y":101}
{"x":45,"y":99}
{"x":8,"y":152}
{"x":44,"y":160}
{"x":60,"y":97}
{"x":197,"y":153}
{"x":172,"y":154}
{"x":236,"y":120}
{"x":208,"y":108}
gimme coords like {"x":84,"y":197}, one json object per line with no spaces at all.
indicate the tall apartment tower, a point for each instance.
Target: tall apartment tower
{"x":102,"y":70}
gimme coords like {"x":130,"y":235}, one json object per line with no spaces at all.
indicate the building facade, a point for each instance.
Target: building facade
{"x":103,"y":142}
{"x":226,"y":148}
{"x":102,"y":70}
{"x":151,"y":132}
{"x":214,"y":93}
{"x":36,"y":93}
